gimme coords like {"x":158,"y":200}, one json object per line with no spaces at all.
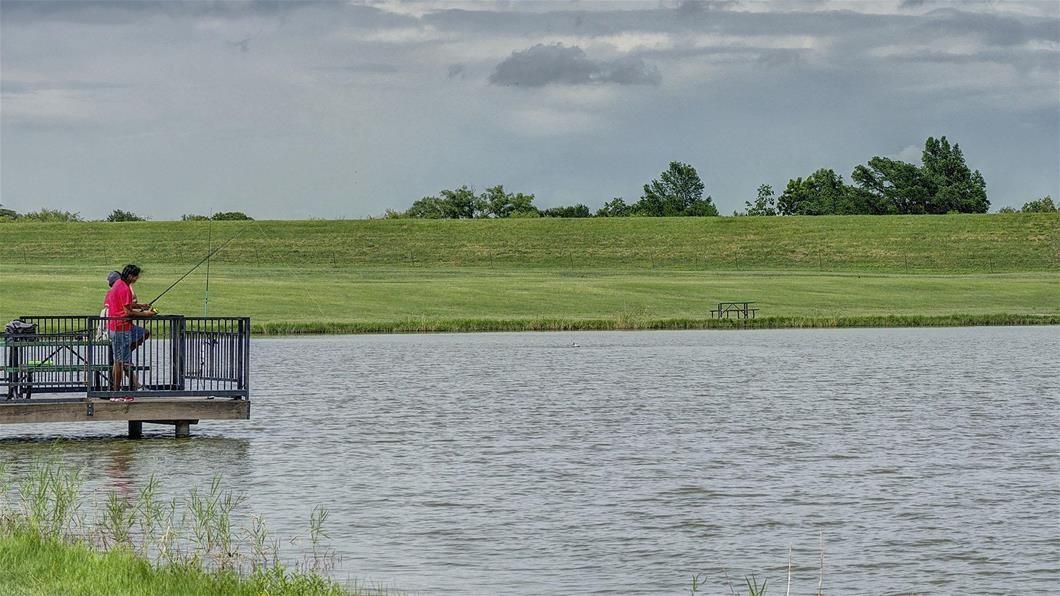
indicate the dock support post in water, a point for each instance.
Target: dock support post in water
{"x":136,"y":429}
{"x":183,"y":428}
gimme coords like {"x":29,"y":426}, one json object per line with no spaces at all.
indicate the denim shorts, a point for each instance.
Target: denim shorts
{"x":121,"y":343}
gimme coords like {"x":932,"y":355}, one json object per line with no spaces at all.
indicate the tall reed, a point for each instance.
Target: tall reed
{"x":195,"y":536}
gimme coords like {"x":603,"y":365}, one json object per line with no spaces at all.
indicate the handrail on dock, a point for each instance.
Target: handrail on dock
{"x":178,"y":357}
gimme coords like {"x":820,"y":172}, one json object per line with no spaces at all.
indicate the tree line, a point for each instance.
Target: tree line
{"x":1042,"y":205}
{"x":943,"y":183}
{"x":677,"y":192}
{"x":118,"y":215}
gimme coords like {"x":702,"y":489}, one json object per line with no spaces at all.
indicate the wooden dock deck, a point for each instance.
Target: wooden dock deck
{"x":181,"y":412}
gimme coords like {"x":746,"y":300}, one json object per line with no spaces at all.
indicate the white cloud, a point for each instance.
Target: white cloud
{"x":773,"y":42}
{"x":53,"y":107}
{"x":910,"y":154}
{"x":630,"y":41}
{"x":402,"y":35}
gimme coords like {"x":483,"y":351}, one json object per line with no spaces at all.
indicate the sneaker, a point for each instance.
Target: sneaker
{"x":127,"y":398}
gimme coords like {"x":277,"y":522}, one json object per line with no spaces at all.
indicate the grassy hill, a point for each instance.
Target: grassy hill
{"x":954,"y":243}
{"x":396,"y":275}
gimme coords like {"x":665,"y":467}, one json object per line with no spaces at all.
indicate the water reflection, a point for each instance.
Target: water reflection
{"x":123,"y":465}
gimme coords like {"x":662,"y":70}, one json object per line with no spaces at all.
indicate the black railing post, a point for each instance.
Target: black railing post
{"x":181,"y":360}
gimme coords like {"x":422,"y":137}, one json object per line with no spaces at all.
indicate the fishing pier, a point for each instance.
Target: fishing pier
{"x":186,"y":369}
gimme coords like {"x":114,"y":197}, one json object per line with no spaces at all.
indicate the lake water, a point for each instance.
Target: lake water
{"x":924,"y":460}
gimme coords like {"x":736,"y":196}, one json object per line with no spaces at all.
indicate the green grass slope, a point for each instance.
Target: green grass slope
{"x":953,"y":243}
{"x":416,"y":275}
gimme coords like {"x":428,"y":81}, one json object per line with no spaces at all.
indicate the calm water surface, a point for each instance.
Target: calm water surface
{"x":926,"y":460}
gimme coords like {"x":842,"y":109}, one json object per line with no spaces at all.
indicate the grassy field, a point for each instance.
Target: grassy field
{"x":415,"y":275}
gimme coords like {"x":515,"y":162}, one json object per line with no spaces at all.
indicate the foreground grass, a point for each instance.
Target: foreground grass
{"x":34,"y":565}
{"x":50,"y":543}
{"x":626,"y":273}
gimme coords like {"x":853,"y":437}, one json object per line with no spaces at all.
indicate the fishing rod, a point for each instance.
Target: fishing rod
{"x":206,"y":258}
{"x":209,"y":245}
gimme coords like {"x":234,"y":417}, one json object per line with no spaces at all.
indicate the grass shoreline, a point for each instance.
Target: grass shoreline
{"x":56,"y":538}
{"x":620,"y":324}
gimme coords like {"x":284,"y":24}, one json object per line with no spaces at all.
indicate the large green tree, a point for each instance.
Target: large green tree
{"x":821,"y":193}
{"x":957,"y":187}
{"x":460,"y":203}
{"x":943,"y":184}
{"x":678,"y":191}
{"x":463,"y":203}
{"x":1042,"y":205}
{"x":765,"y":202}
{"x":616,"y":207}
{"x":893,"y":186}
{"x":497,"y":203}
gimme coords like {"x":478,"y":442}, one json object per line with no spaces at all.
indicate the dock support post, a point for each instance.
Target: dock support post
{"x":183,"y":428}
{"x":136,"y":429}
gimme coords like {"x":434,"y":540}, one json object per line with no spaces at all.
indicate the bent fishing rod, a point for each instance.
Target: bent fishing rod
{"x":206,"y":258}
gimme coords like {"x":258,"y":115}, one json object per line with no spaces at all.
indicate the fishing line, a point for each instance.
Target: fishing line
{"x":209,"y":246}
{"x":197,"y":265}
{"x":305,"y":290}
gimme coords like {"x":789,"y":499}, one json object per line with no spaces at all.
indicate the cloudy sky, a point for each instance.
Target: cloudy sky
{"x":329,"y":109}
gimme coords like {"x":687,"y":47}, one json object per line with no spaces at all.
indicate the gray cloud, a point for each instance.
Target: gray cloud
{"x":780,"y":58}
{"x":690,"y":7}
{"x":98,"y":11}
{"x":562,"y":65}
{"x":900,"y":26}
{"x":18,"y":87}
{"x":329,"y":83}
{"x":993,"y":28}
{"x":242,"y":44}
{"x":365,"y":67}
{"x":126,"y":11}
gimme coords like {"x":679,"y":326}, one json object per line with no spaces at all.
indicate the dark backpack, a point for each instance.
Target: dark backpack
{"x":20,"y":328}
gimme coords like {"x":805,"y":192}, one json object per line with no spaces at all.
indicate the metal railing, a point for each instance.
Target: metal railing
{"x":177,"y":356}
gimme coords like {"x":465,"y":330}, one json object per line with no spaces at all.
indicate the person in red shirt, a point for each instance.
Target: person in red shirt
{"x":124,"y":336}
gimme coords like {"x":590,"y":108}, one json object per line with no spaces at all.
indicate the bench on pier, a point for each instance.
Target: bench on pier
{"x":21,"y":341}
{"x":70,"y":368}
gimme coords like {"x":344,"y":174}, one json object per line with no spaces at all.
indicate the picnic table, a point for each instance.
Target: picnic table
{"x":741,"y":310}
